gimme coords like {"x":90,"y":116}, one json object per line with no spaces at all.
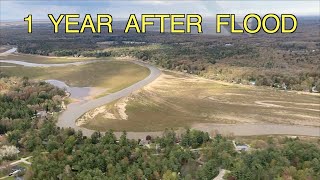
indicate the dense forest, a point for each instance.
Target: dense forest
{"x":67,"y":154}
{"x":103,"y":157}
{"x":22,"y":100}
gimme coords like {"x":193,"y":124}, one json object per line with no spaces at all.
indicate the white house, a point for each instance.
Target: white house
{"x":239,"y":148}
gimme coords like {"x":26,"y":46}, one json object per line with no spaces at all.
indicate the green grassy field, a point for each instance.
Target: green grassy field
{"x":176,"y":100}
{"x":110,"y":75}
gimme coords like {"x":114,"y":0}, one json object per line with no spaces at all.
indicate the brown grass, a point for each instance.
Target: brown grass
{"x":110,"y":75}
{"x":175,"y":100}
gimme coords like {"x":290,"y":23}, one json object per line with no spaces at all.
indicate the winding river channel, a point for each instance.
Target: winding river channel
{"x":75,"y":110}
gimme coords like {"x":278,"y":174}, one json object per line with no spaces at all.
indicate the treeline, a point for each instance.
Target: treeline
{"x":104,"y":157}
{"x":188,"y":57}
{"x":49,"y":48}
{"x":192,"y":155}
{"x":25,"y":99}
{"x":303,"y":81}
{"x":78,"y":53}
{"x":294,"y":159}
{"x":292,"y":46}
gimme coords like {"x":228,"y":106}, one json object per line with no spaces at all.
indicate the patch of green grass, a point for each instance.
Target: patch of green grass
{"x":22,"y":164}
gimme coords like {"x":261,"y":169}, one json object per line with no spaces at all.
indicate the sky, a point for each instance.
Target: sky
{"x":18,"y":9}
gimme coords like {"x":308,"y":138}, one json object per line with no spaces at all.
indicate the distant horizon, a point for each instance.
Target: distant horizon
{"x":125,"y":19}
{"x":17,"y":10}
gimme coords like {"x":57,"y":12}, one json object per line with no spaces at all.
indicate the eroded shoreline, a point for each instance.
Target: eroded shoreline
{"x":75,"y":110}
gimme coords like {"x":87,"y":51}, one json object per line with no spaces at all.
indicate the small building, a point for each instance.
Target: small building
{"x":17,"y":171}
{"x":144,"y":143}
{"x":240,"y":147}
{"x":253,"y":83}
{"x":42,"y":114}
{"x":284,"y":86}
{"x":314,"y":89}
